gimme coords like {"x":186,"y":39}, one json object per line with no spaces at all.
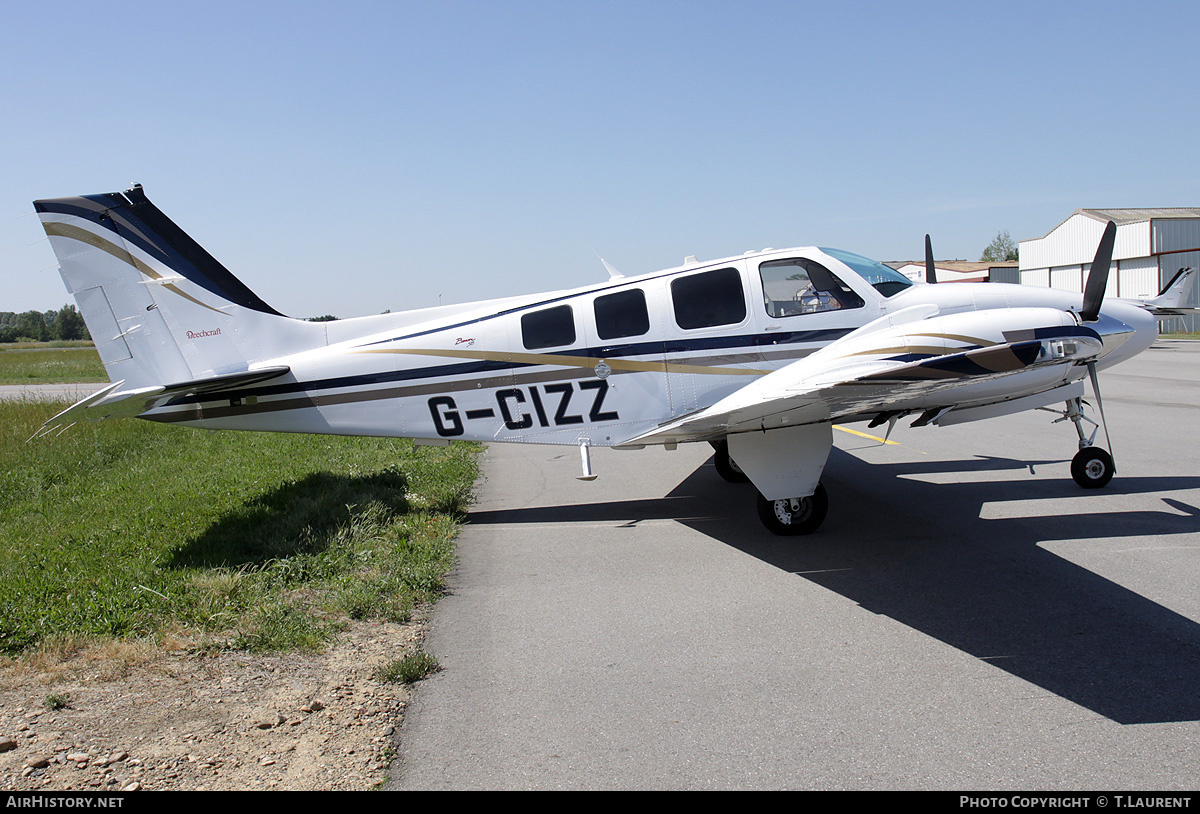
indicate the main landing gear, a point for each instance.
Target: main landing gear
{"x":788,"y":517}
{"x":1092,"y":467}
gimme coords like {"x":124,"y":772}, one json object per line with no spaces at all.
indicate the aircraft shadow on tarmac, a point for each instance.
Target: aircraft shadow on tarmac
{"x":921,"y":554}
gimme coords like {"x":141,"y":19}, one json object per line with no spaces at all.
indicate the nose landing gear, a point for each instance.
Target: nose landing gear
{"x":1092,"y":467}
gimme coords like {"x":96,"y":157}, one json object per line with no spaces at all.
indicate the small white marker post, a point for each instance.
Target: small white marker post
{"x":585,"y":457}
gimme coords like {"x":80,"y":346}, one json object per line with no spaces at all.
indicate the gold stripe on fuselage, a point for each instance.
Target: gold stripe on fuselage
{"x":631,"y":365}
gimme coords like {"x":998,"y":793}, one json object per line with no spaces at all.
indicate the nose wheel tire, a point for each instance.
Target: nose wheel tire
{"x":796,"y":515}
{"x":1092,"y":468}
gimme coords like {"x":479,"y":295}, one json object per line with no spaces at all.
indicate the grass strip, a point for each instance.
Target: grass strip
{"x":49,"y":365}
{"x":257,"y":541}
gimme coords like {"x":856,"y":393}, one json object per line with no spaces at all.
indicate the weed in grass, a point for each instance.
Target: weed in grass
{"x":409,"y":669}
{"x":283,"y":626}
{"x":375,"y":597}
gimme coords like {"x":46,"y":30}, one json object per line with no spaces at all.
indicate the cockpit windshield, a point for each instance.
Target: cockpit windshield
{"x":886,"y":281}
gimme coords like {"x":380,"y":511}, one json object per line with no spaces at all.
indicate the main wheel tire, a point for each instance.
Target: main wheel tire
{"x":794,"y":516}
{"x":1092,"y":468}
{"x":727,"y":468}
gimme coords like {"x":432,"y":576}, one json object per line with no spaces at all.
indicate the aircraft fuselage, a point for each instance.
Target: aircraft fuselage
{"x":552,"y":368}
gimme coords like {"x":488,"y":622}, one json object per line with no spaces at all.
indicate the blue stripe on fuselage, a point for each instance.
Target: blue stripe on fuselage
{"x":669,"y":347}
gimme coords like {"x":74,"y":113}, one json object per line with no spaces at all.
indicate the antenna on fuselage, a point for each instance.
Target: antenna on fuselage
{"x":613,"y":274}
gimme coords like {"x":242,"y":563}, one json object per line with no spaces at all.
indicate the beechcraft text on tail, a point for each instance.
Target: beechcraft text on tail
{"x":759,"y":354}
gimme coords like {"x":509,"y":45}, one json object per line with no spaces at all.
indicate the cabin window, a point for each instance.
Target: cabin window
{"x":549,"y":328}
{"x":801,"y":286}
{"x":622,"y":314}
{"x":709,"y":299}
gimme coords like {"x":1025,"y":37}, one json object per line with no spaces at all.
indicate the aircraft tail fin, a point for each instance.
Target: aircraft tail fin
{"x":159,"y":307}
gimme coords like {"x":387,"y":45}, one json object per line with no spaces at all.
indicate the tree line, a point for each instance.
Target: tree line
{"x":1002,"y":248}
{"x":42,"y":326}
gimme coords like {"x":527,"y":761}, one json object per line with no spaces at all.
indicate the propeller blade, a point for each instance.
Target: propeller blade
{"x":930,"y":271}
{"x":1097,"y":281}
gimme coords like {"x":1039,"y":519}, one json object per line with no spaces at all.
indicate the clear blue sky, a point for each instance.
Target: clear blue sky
{"x":354,"y":157}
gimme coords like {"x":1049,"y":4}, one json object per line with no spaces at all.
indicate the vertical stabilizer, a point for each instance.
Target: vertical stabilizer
{"x":159,"y":307}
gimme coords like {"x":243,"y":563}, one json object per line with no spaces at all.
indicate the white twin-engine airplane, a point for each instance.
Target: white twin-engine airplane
{"x":759,"y":355}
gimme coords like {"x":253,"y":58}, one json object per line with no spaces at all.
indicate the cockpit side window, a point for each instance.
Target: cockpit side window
{"x":801,"y":286}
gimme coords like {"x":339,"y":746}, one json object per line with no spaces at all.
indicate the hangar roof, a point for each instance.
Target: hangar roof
{"x":1120,"y":216}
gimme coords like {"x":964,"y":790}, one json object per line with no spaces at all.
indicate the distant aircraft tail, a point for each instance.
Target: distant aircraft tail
{"x":161,"y":309}
{"x":1173,"y":292}
{"x":1169,"y":302}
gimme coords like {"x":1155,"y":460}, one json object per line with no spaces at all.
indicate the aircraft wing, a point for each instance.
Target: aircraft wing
{"x":113,"y":402}
{"x":889,"y":369}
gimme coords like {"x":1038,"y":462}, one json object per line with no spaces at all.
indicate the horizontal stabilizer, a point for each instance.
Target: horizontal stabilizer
{"x":225,"y":381}
{"x":1168,"y":313}
{"x":112,"y":402}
